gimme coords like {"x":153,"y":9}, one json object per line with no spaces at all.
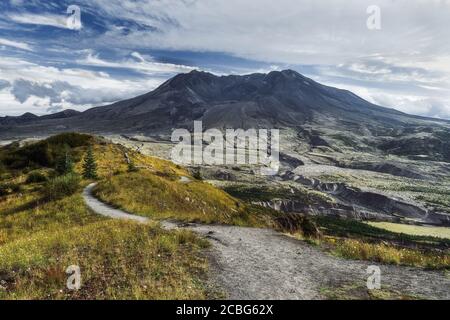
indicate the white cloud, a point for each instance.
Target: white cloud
{"x":405,"y":65}
{"x":15,"y":44}
{"x":58,"y":21}
{"x":138,"y":64}
{"x":38,"y":87}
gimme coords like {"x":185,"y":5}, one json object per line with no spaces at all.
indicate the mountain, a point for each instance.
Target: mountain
{"x":319,"y":114}
{"x":11,"y":120}
{"x":29,"y":117}
{"x":276,"y":99}
{"x":68,"y":113}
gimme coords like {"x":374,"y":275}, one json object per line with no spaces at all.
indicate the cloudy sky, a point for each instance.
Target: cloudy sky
{"x":122,"y":48}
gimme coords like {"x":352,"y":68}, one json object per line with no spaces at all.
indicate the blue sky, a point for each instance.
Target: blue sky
{"x":128,"y":47}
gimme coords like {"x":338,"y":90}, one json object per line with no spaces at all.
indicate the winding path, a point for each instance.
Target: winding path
{"x":250,"y":263}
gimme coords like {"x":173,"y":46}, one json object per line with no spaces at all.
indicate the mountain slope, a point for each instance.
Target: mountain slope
{"x":284,"y":99}
{"x":277,"y":99}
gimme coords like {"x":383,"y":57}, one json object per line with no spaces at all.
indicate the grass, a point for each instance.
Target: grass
{"x":166,"y":197}
{"x":346,"y":228}
{"x":41,"y":236}
{"x":438,"y":232}
{"x":118,"y":260}
{"x":356,"y":240}
{"x":386,"y":253}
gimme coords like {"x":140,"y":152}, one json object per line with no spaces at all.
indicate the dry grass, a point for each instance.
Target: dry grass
{"x":387,"y":253}
{"x":118,"y":260}
{"x":166,"y":197}
{"x":40,"y":238}
{"x":439,"y":232}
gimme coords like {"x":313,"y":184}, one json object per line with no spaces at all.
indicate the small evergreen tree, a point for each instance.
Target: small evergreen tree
{"x":197,"y":174}
{"x":89,"y":165}
{"x":132,"y":167}
{"x":64,"y":163}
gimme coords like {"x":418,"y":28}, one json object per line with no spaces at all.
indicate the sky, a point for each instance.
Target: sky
{"x":395,"y":53}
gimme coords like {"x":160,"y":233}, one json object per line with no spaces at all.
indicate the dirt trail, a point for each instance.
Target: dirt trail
{"x":250,"y":263}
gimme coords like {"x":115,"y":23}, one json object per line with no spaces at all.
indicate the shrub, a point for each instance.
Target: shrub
{"x":64,"y":163}
{"x":294,"y":223}
{"x":45,"y":152}
{"x":132,"y":167}
{"x":8,"y":188}
{"x":196,"y":174}
{"x":72,"y":139}
{"x":62,"y":186}
{"x":36,"y":177}
{"x":2,"y":168}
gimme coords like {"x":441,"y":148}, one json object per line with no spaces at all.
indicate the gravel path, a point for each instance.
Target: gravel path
{"x":250,"y":263}
{"x":106,"y":210}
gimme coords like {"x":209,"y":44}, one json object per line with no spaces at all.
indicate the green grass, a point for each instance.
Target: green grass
{"x":165,"y":197}
{"x":118,"y":260}
{"x":438,"y":232}
{"x":41,"y":236}
{"x":355,"y":229}
{"x":387,"y":253}
{"x":357,"y":240}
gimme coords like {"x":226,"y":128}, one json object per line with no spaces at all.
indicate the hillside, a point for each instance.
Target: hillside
{"x":319,"y":115}
{"x":46,"y":226}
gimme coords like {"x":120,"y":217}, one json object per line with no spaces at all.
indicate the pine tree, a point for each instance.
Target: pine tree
{"x":64,"y":163}
{"x":132,"y":167}
{"x":89,"y":165}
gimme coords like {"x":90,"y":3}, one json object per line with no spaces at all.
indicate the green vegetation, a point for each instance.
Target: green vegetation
{"x":357,"y":240}
{"x":132,"y":167}
{"x":118,"y":260}
{"x":161,"y":196}
{"x":387,"y":253}
{"x":89,"y":165}
{"x":36,"y":177}
{"x":347,"y":228}
{"x":61,"y":186}
{"x":46,"y":227}
{"x":438,"y":232}
{"x":64,"y":163}
{"x":43,"y":153}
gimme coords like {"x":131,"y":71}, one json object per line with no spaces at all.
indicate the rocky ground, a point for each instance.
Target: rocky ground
{"x":251,"y":263}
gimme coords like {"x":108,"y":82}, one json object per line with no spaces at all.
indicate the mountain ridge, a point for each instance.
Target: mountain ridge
{"x":278,"y":99}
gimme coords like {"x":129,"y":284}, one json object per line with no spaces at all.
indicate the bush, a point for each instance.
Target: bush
{"x":72,"y":139}
{"x":293,"y":223}
{"x":64,"y":163}
{"x":44,"y":153}
{"x":2,"y":168}
{"x":196,"y":174}
{"x":62,"y":186}
{"x":36,"y":177}
{"x":132,"y":167}
{"x":8,"y":188}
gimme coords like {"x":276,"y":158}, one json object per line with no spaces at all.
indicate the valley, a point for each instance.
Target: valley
{"x":358,"y":185}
